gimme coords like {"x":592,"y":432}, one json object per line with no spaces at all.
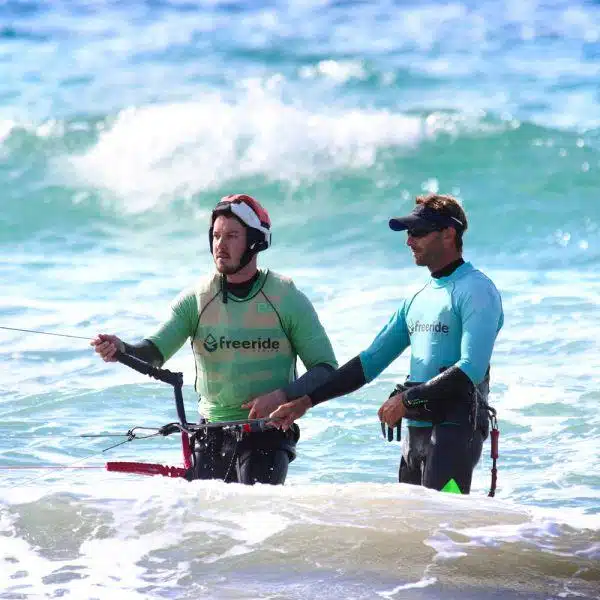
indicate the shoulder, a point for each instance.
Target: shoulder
{"x":277,"y":279}
{"x":475,"y":288}
{"x":283,"y":291}
{"x":197,"y":292}
{"x":206,"y":284}
{"x":205,"y":288}
{"x":279,"y":285}
{"x":474,"y":279}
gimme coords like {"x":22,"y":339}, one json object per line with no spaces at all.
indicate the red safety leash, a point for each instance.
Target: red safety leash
{"x":494,"y":437}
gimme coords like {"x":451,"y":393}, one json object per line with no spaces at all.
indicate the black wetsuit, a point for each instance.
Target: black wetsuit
{"x":256,"y":458}
{"x":450,"y":449}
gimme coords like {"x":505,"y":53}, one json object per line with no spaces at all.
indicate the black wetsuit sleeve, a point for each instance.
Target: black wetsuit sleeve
{"x":308,"y":382}
{"x":449,"y":386}
{"x":348,"y":378}
{"x":146,"y":351}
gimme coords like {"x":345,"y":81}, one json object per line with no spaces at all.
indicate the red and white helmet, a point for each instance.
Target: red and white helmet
{"x":250,"y":212}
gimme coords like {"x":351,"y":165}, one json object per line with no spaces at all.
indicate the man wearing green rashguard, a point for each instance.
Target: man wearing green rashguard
{"x":247,"y":326}
{"x":451,"y":325}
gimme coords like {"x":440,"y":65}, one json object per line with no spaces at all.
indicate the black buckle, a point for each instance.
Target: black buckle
{"x":169,"y":428}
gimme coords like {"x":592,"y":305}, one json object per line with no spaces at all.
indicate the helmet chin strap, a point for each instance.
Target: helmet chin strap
{"x":244,"y":261}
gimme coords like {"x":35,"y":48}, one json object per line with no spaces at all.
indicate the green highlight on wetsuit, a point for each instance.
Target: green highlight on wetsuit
{"x":451,"y":487}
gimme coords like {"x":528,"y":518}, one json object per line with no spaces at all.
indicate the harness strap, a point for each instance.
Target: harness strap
{"x":239,"y":434}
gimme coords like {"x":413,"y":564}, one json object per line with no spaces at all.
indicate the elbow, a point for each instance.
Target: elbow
{"x":476,"y":373}
{"x":368,"y":373}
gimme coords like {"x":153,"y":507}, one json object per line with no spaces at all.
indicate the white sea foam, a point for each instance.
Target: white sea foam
{"x":178,"y":150}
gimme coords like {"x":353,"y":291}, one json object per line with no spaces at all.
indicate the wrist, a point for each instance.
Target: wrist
{"x":307,"y":402}
{"x":410,"y":398}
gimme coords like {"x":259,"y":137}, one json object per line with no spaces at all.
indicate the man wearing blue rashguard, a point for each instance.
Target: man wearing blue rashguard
{"x":451,"y":325}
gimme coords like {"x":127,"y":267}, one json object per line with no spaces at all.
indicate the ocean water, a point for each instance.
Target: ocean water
{"x":122,"y":124}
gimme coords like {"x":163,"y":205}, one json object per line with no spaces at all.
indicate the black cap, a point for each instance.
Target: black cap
{"x":425,"y":218}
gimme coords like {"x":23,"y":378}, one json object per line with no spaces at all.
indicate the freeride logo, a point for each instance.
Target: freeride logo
{"x":223,"y":343}
{"x":210,"y":344}
{"x":418,"y":327}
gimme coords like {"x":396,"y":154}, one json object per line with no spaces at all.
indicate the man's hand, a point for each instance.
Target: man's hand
{"x":263,"y":406}
{"x":287,"y":413}
{"x":392,"y":410}
{"x":107,"y":345}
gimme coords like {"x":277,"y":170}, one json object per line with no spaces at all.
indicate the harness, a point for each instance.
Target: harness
{"x":428,"y":413}
{"x":212,"y":440}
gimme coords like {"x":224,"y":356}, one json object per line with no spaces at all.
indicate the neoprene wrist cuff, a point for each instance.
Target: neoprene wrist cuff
{"x":411,"y":397}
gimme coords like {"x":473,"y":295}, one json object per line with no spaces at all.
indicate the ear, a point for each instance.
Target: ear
{"x":255,"y":241}
{"x":449,"y":236}
{"x":259,"y":246}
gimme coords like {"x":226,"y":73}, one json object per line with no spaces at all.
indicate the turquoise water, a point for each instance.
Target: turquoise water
{"x":121,"y":125}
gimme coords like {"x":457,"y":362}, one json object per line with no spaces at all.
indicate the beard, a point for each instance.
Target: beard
{"x":226,"y":266}
{"x":420,"y":258}
{"x":227,"y":269}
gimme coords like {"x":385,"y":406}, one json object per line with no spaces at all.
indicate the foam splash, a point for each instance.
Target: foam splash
{"x":179,"y":150}
{"x":349,"y":538}
{"x":6,"y":127}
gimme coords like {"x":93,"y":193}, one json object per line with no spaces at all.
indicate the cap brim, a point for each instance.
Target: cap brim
{"x":411,"y":222}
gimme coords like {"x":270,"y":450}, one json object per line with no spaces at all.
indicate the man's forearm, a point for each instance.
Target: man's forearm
{"x":146,"y":351}
{"x":347,"y":379}
{"x":307,"y":383}
{"x":451,"y":385}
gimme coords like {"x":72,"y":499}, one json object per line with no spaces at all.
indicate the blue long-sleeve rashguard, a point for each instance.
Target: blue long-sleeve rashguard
{"x":451,"y":321}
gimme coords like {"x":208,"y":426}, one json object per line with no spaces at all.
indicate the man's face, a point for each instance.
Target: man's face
{"x":429,"y":249}
{"x":229,"y":244}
